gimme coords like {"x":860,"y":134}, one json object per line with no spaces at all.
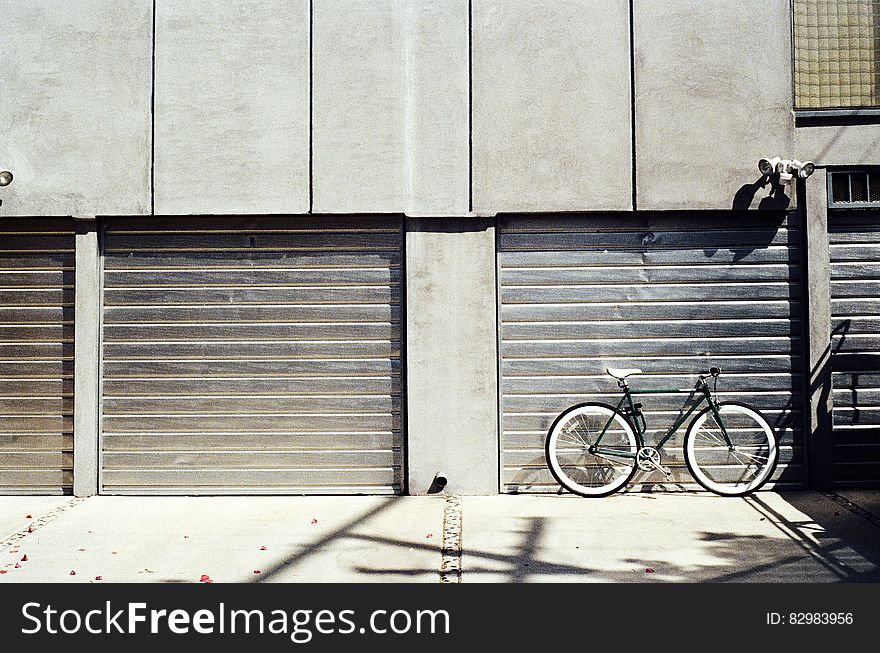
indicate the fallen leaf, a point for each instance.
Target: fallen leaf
{"x":82,"y":549}
{"x":18,"y":565}
{"x":2,"y":571}
{"x":263,"y":548}
{"x":257,"y":571}
{"x":24,"y":558}
{"x":99,"y":578}
{"x":314,"y":521}
{"x":204,"y":578}
{"x":649,"y":570}
{"x":429,"y":535}
{"x":29,"y":516}
{"x":72,"y":572}
{"x":30,"y":529}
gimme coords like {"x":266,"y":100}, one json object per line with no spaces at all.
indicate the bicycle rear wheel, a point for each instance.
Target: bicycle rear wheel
{"x":570,"y":460}
{"x":736,"y":469}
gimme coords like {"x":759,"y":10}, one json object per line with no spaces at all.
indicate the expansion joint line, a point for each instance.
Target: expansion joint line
{"x":450,"y":563}
{"x":38,"y":523}
{"x":854,"y":508}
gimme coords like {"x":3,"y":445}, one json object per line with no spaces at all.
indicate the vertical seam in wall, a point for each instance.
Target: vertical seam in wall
{"x":311,"y":106}
{"x":632,"y":99}
{"x":807,"y":422}
{"x":498,"y":376}
{"x":402,"y":376}
{"x":470,"y":107}
{"x":791,"y":52}
{"x":100,"y":226}
{"x":153,"y":119}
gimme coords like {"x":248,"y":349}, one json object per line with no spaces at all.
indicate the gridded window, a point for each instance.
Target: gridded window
{"x":836,"y":51}
{"x":854,"y":188}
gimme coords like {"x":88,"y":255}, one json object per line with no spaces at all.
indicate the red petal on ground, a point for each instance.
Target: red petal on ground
{"x":314,"y":521}
{"x":429,"y":535}
{"x":29,"y":517}
{"x":24,"y":558}
{"x":263,"y":548}
{"x":3,"y":571}
{"x":30,"y":529}
{"x":257,"y":571}
{"x":99,"y":578}
{"x":72,"y":572}
{"x":649,"y":570}
{"x":204,"y":577}
{"x":17,"y":565}
{"x":82,"y":549}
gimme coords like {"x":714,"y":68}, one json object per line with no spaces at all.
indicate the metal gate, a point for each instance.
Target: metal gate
{"x":245,"y":355}
{"x":36,"y":355}
{"x":672,"y":295}
{"x":854,"y":238}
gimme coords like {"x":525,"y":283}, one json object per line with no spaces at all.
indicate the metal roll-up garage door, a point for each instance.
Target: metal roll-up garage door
{"x":671,"y":295}
{"x":249,"y":355}
{"x":36,"y":355}
{"x":855,"y":342}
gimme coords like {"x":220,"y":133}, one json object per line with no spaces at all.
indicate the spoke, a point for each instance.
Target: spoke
{"x":760,"y":460}
{"x":709,"y":436}
{"x":745,"y":463}
{"x":566,"y":436}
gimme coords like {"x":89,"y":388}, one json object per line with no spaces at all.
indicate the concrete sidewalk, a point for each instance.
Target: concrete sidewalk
{"x":671,"y":537}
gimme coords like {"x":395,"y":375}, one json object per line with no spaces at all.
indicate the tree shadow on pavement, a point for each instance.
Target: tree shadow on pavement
{"x":814,"y":548}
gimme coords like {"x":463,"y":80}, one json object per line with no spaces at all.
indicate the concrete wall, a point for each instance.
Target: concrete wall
{"x":832,"y":143}
{"x":713,"y":95}
{"x":451,"y":355}
{"x":442,"y":108}
{"x":75,"y":106}
{"x":551,"y":106}
{"x":390,"y":100}
{"x":232,"y":107}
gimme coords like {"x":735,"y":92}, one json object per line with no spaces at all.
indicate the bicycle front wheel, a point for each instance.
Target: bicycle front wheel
{"x":736,"y":468}
{"x":575,"y":467}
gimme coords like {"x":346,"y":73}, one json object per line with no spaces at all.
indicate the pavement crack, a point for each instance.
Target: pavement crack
{"x":450,"y":562}
{"x":854,"y":508}
{"x":41,"y":521}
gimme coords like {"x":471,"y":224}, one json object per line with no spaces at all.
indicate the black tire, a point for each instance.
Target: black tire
{"x":578,"y":470}
{"x":736,"y":471}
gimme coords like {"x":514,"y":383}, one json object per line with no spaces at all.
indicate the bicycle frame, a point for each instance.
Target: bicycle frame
{"x":641,"y":429}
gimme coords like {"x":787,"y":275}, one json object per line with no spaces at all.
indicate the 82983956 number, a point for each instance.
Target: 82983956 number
{"x":807,"y":618}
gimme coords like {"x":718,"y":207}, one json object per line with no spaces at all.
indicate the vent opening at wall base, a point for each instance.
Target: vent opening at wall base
{"x":854,"y":188}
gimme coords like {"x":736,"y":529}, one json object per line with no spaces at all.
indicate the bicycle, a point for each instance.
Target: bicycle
{"x":594,"y":449}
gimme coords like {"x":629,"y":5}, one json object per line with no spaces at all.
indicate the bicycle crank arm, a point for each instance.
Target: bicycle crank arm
{"x":660,"y":468}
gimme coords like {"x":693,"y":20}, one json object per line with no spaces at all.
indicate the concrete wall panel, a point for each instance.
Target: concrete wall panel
{"x":713,"y":95}
{"x":451,"y":355}
{"x":75,"y":106}
{"x":232,"y":107}
{"x":841,"y":144}
{"x":390,"y":103}
{"x":551,"y":106}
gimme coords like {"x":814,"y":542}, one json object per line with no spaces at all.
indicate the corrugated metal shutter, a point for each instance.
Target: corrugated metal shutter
{"x":252,"y":356}
{"x":36,"y":356}
{"x":855,"y":343}
{"x":670,"y":295}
